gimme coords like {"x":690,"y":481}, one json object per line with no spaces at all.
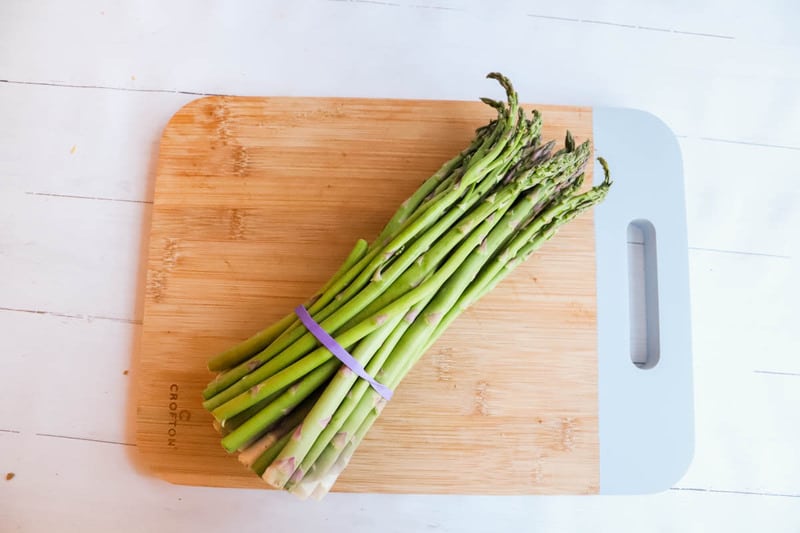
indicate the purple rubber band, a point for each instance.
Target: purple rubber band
{"x":340,"y":353}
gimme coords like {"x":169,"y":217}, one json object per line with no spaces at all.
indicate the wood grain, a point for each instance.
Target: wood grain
{"x":257,"y":202}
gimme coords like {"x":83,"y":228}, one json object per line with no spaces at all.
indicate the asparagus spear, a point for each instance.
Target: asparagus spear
{"x":269,"y":455}
{"x":250,"y":453}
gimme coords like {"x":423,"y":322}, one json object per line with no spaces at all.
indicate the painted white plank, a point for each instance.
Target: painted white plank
{"x":67,"y":376}
{"x":71,"y":255}
{"x":744,"y":311}
{"x":96,"y":143}
{"x":88,"y":486}
{"x":746,"y":422}
{"x":742,"y":197}
{"x":256,"y":49}
{"x":767,"y":22}
{"x":746,"y":433}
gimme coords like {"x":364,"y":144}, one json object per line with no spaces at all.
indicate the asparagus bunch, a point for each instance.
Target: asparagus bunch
{"x":294,"y":412}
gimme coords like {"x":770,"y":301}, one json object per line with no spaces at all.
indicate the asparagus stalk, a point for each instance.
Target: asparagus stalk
{"x":269,"y":455}
{"x":249,"y":454}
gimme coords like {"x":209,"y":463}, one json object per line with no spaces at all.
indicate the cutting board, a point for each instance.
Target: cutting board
{"x":258,"y":200}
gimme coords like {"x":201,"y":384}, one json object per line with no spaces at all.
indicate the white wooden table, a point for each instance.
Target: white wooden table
{"x":86,"y":88}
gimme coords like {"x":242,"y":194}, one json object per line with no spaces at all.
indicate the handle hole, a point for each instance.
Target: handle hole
{"x":643,"y":294}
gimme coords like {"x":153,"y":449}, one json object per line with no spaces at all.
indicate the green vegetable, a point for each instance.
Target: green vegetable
{"x":289,"y":406}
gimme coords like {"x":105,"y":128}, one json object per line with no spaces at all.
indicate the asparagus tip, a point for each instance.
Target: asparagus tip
{"x":511,"y":94}
{"x":606,"y":172}
{"x":569,"y":142}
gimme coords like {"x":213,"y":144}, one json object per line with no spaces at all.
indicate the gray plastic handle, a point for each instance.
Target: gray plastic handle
{"x":646,"y":415}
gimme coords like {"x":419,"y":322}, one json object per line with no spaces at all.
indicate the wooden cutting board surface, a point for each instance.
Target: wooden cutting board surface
{"x":257,"y":202}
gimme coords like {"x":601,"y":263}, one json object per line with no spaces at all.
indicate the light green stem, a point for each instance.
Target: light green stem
{"x":279,"y":407}
{"x":269,"y":455}
{"x":251,"y":452}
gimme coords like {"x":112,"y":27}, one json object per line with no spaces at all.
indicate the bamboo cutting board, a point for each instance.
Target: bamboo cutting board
{"x":257,"y":202}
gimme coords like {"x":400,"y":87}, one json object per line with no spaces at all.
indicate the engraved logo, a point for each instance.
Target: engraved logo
{"x":176,"y":416}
